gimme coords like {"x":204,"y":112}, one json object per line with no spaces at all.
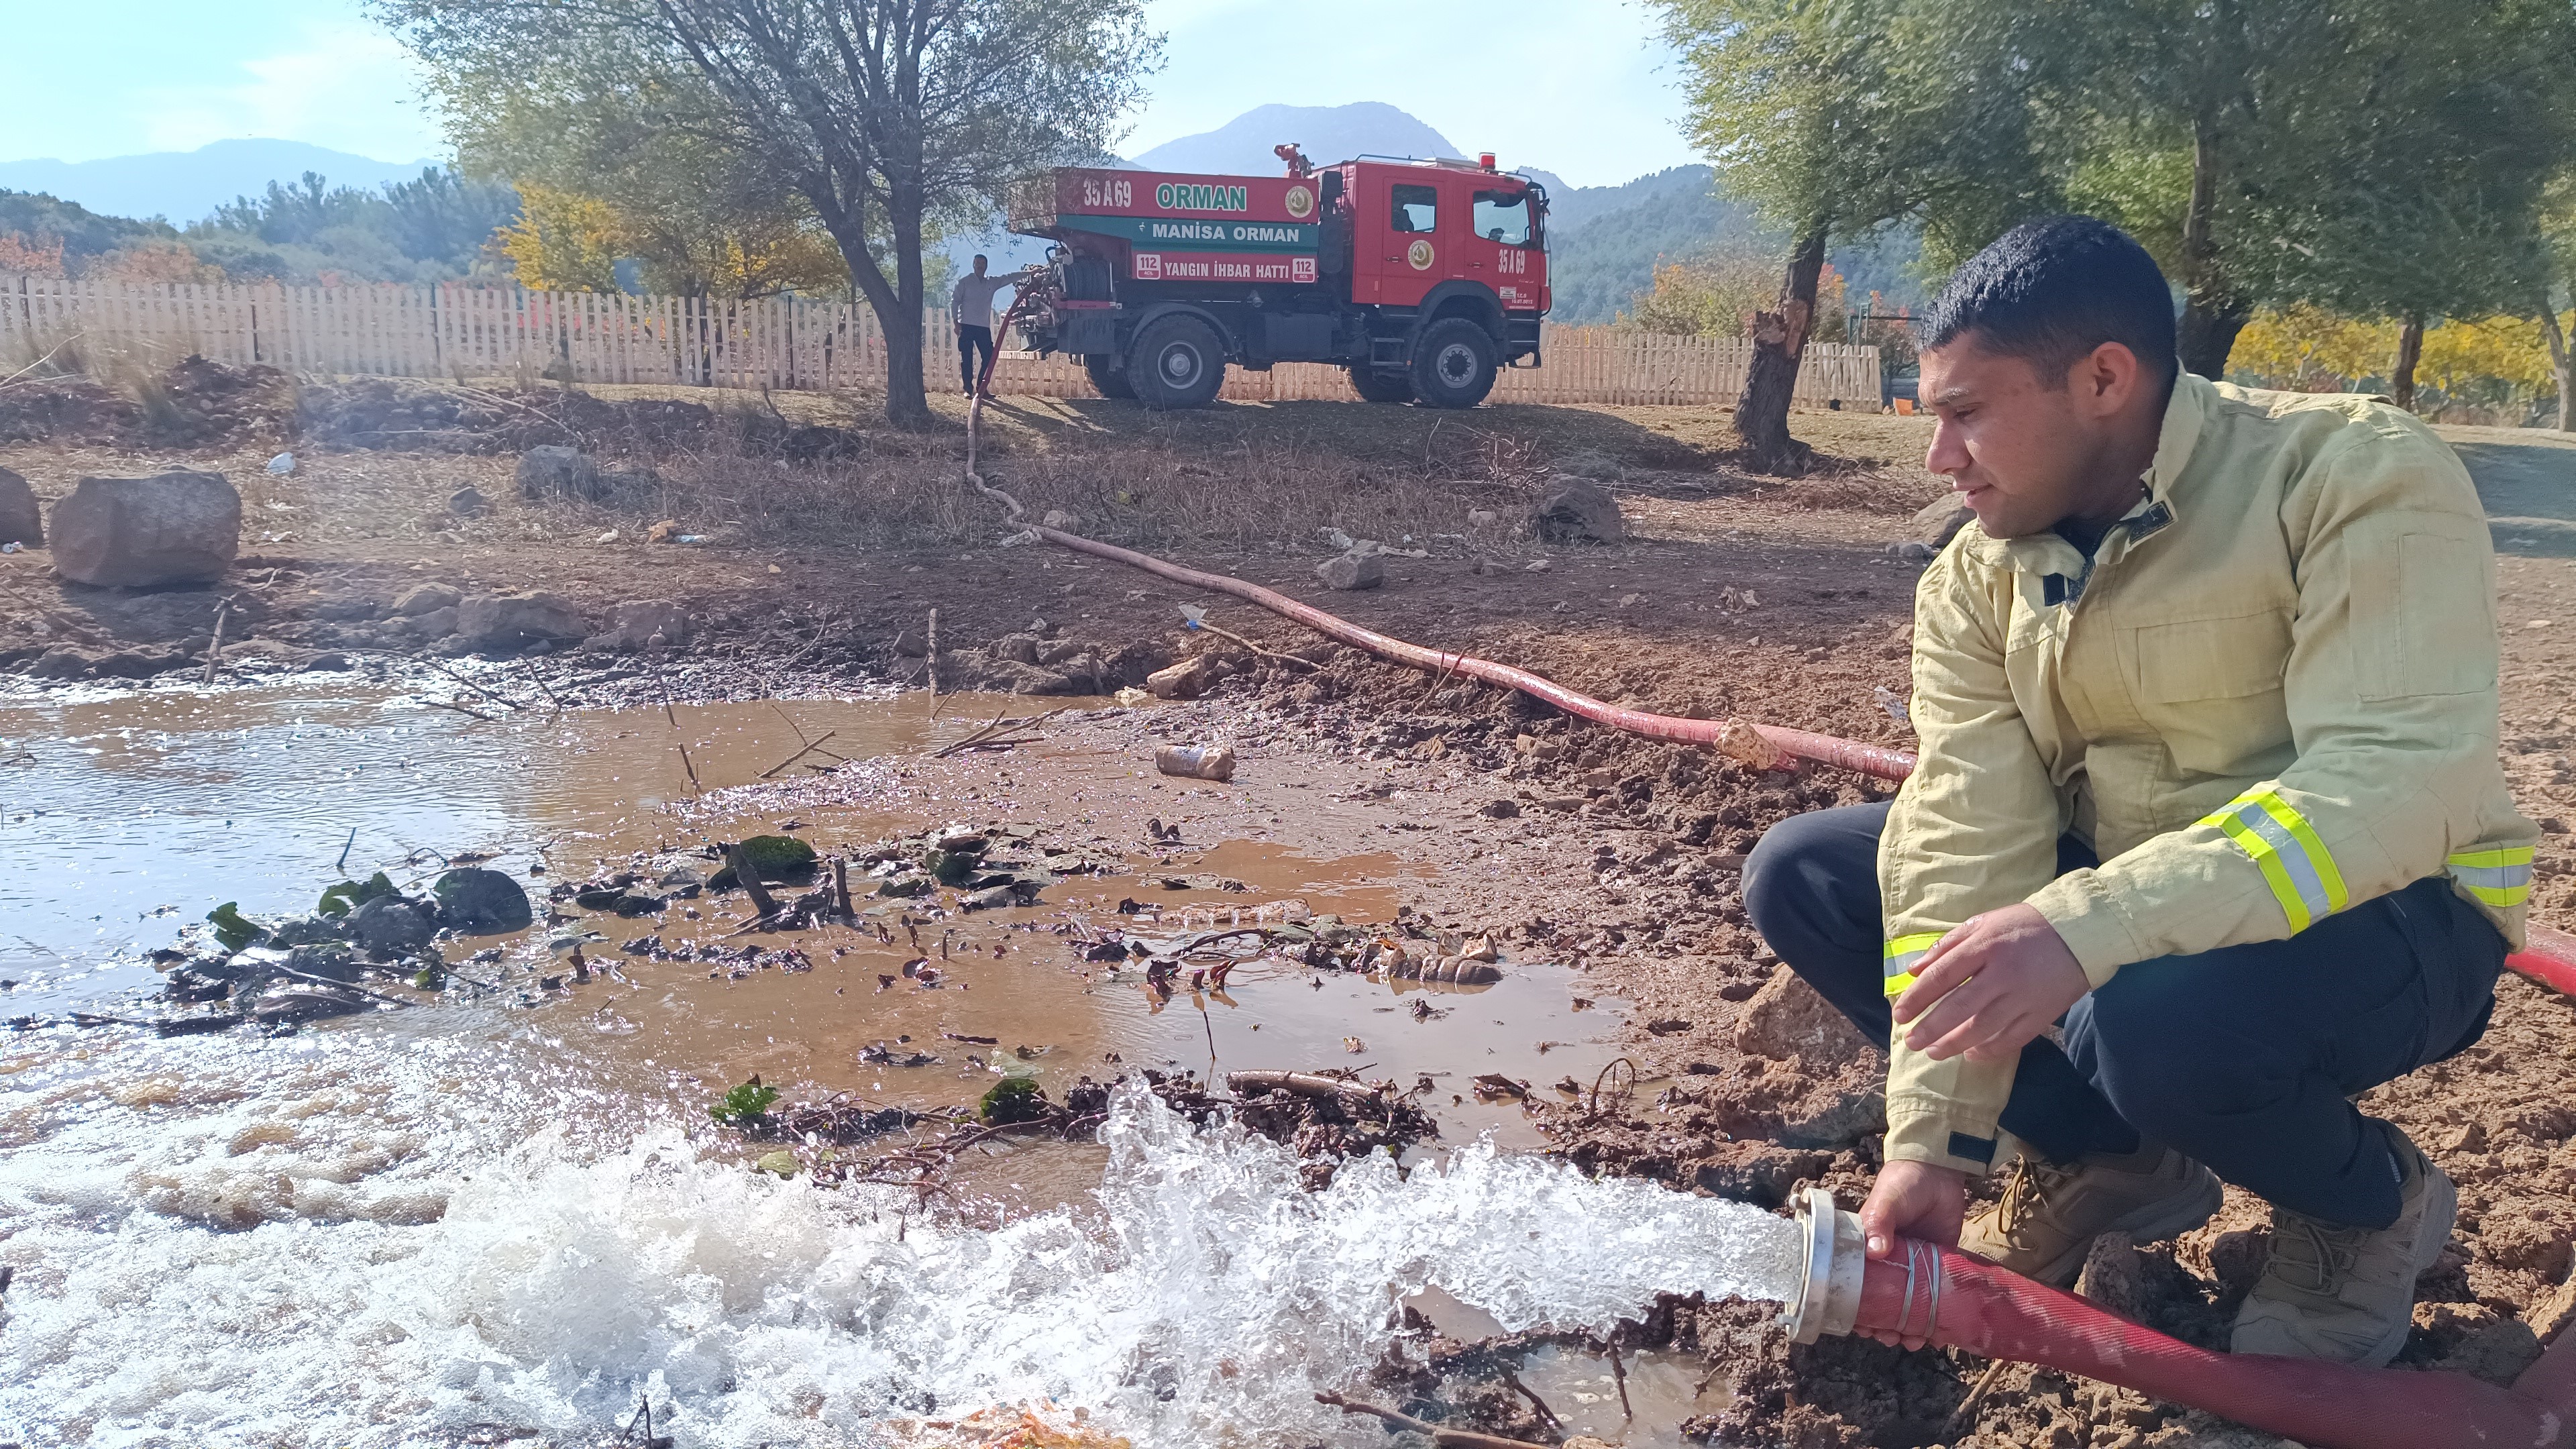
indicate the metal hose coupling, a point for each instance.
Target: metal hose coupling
{"x":1835,"y":1255}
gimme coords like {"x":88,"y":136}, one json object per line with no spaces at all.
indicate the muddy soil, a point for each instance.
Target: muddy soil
{"x":1614,"y":855}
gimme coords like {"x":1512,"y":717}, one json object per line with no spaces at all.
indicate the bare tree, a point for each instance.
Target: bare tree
{"x":883,"y":115}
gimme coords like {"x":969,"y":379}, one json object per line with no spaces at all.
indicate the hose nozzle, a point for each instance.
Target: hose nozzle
{"x":1834,"y":1255}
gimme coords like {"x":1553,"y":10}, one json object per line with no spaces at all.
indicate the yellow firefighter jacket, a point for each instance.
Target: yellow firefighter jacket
{"x":2269,"y":696}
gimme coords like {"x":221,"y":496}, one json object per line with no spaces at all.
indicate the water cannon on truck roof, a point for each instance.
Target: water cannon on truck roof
{"x":1421,"y":278}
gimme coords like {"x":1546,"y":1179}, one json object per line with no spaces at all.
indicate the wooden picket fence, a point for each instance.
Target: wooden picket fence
{"x":786,"y":343}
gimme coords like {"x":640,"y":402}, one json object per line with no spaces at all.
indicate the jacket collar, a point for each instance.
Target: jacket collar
{"x":2186,"y":413}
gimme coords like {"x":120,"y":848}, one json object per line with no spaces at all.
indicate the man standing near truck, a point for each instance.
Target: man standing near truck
{"x":2207,"y":704}
{"x":971,"y":307}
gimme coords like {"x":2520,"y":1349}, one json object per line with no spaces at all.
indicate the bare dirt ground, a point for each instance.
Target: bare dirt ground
{"x":828,"y":545}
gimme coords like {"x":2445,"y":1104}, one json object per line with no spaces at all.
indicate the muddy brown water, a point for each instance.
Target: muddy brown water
{"x":140,"y":812}
{"x":130,"y":815}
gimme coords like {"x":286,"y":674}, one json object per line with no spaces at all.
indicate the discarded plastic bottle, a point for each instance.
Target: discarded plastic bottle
{"x":1196,"y":762}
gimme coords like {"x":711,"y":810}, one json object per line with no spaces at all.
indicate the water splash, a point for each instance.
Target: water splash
{"x":1201,"y":1300}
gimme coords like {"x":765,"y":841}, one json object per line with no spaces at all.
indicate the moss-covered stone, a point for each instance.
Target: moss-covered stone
{"x":776,"y":857}
{"x":1012,"y":1099}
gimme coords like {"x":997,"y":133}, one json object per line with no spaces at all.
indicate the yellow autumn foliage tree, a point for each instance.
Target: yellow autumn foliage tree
{"x":563,"y":242}
{"x":2308,"y":349}
{"x":2495,"y":362}
{"x":567,"y":241}
{"x":2460,"y":354}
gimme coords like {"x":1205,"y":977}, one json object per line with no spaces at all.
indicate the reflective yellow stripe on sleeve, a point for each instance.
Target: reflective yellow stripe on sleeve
{"x":2294,"y":862}
{"x":1903,"y":954}
{"x":2500,"y":877}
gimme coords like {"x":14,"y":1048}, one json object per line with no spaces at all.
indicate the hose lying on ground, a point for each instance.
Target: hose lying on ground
{"x":1997,"y":1314}
{"x":1957,"y":1300}
{"x":1740,"y":738}
{"x":2549,"y":959}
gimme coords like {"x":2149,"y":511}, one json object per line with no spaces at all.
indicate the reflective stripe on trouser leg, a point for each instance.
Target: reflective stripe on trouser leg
{"x":1903,"y":955}
{"x":2500,"y":877}
{"x":2295,"y":863}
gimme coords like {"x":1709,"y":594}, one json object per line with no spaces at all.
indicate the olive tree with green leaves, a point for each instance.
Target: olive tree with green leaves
{"x":694,"y":219}
{"x":2368,"y":156}
{"x":879,"y":115}
{"x":1837,"y":118}
{"x":2556,"y":287}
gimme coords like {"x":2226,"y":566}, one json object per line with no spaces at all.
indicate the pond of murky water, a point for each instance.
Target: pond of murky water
{"x":504,"y":1214}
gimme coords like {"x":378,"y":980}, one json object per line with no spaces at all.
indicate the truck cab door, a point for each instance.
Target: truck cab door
{"x":1405,"y":217}
{"x":1503,"y":249}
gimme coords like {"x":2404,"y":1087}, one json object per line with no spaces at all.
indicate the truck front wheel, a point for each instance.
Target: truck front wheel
{"x":1177,"y":363}
{"x":1378,"y":387}
{"x":1454,"y":365}
{"x":1110,"y":381}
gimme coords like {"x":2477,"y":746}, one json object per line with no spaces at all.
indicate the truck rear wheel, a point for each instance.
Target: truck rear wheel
{"x":1378,"y":387}
{"x":1453,"y":366}
{"x":1178,"y":362}
{"x":1111,"y":382}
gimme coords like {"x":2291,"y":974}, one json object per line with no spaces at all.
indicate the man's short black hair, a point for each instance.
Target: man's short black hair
{"x":2051,"y":291}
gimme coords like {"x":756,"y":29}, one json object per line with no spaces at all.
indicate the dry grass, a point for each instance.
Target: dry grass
{"x":1242,"y":477}
{"x":1260,"y":493}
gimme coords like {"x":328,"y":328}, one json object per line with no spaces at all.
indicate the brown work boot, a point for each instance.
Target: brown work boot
{"x":2049,"y":1215}
{"x":2348,"y":1294}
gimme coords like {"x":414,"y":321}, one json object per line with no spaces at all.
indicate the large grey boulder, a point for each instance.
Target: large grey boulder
{"x":516,"y":619}
{"x":553,"y":472}
{"x":422,"y":599}
{"x":1939,"y":521}
{"x":1354,"y":570}
{"x":390,"y":926}
{"x":63,"y":661}
{"x":1577,"y":510}
{"x":436,"y":624}
{"x":20,"y":522}
{"x":175,"y":528}
{"x":632,"y":625}
{"x":480,"y":902}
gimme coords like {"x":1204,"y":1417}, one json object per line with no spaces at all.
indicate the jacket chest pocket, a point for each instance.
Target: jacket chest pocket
{"x":2212,"y":688}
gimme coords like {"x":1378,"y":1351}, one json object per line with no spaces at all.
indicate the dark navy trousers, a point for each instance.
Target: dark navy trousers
{"x":973,"y":343}
{"x":2243,"y":1057}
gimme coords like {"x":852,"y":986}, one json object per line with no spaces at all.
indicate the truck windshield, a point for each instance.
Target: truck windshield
{"x":1503,"y":216}
{"x":1415,"y":208}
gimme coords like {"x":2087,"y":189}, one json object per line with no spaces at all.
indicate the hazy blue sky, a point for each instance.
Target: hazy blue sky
{"x":1578,"y":86}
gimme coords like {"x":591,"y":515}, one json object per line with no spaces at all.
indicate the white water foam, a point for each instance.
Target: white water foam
{"x":1202,"y":1300}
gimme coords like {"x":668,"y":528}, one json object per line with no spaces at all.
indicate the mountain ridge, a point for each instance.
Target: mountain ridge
{"x":186,"y":186}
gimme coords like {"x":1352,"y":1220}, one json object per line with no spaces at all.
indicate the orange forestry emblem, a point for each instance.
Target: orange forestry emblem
{"x":1301,"y":202}
{"x":1419,"y":254}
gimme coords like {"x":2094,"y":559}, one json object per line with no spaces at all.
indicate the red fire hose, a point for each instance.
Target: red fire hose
{"x":2549,"y":959}
{"x":1966,"y":1302}
{"x":1736,"y":737}
{"x":1952,"y":1298}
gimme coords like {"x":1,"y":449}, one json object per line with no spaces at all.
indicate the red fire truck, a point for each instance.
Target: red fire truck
{"x":1419,"y":277}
